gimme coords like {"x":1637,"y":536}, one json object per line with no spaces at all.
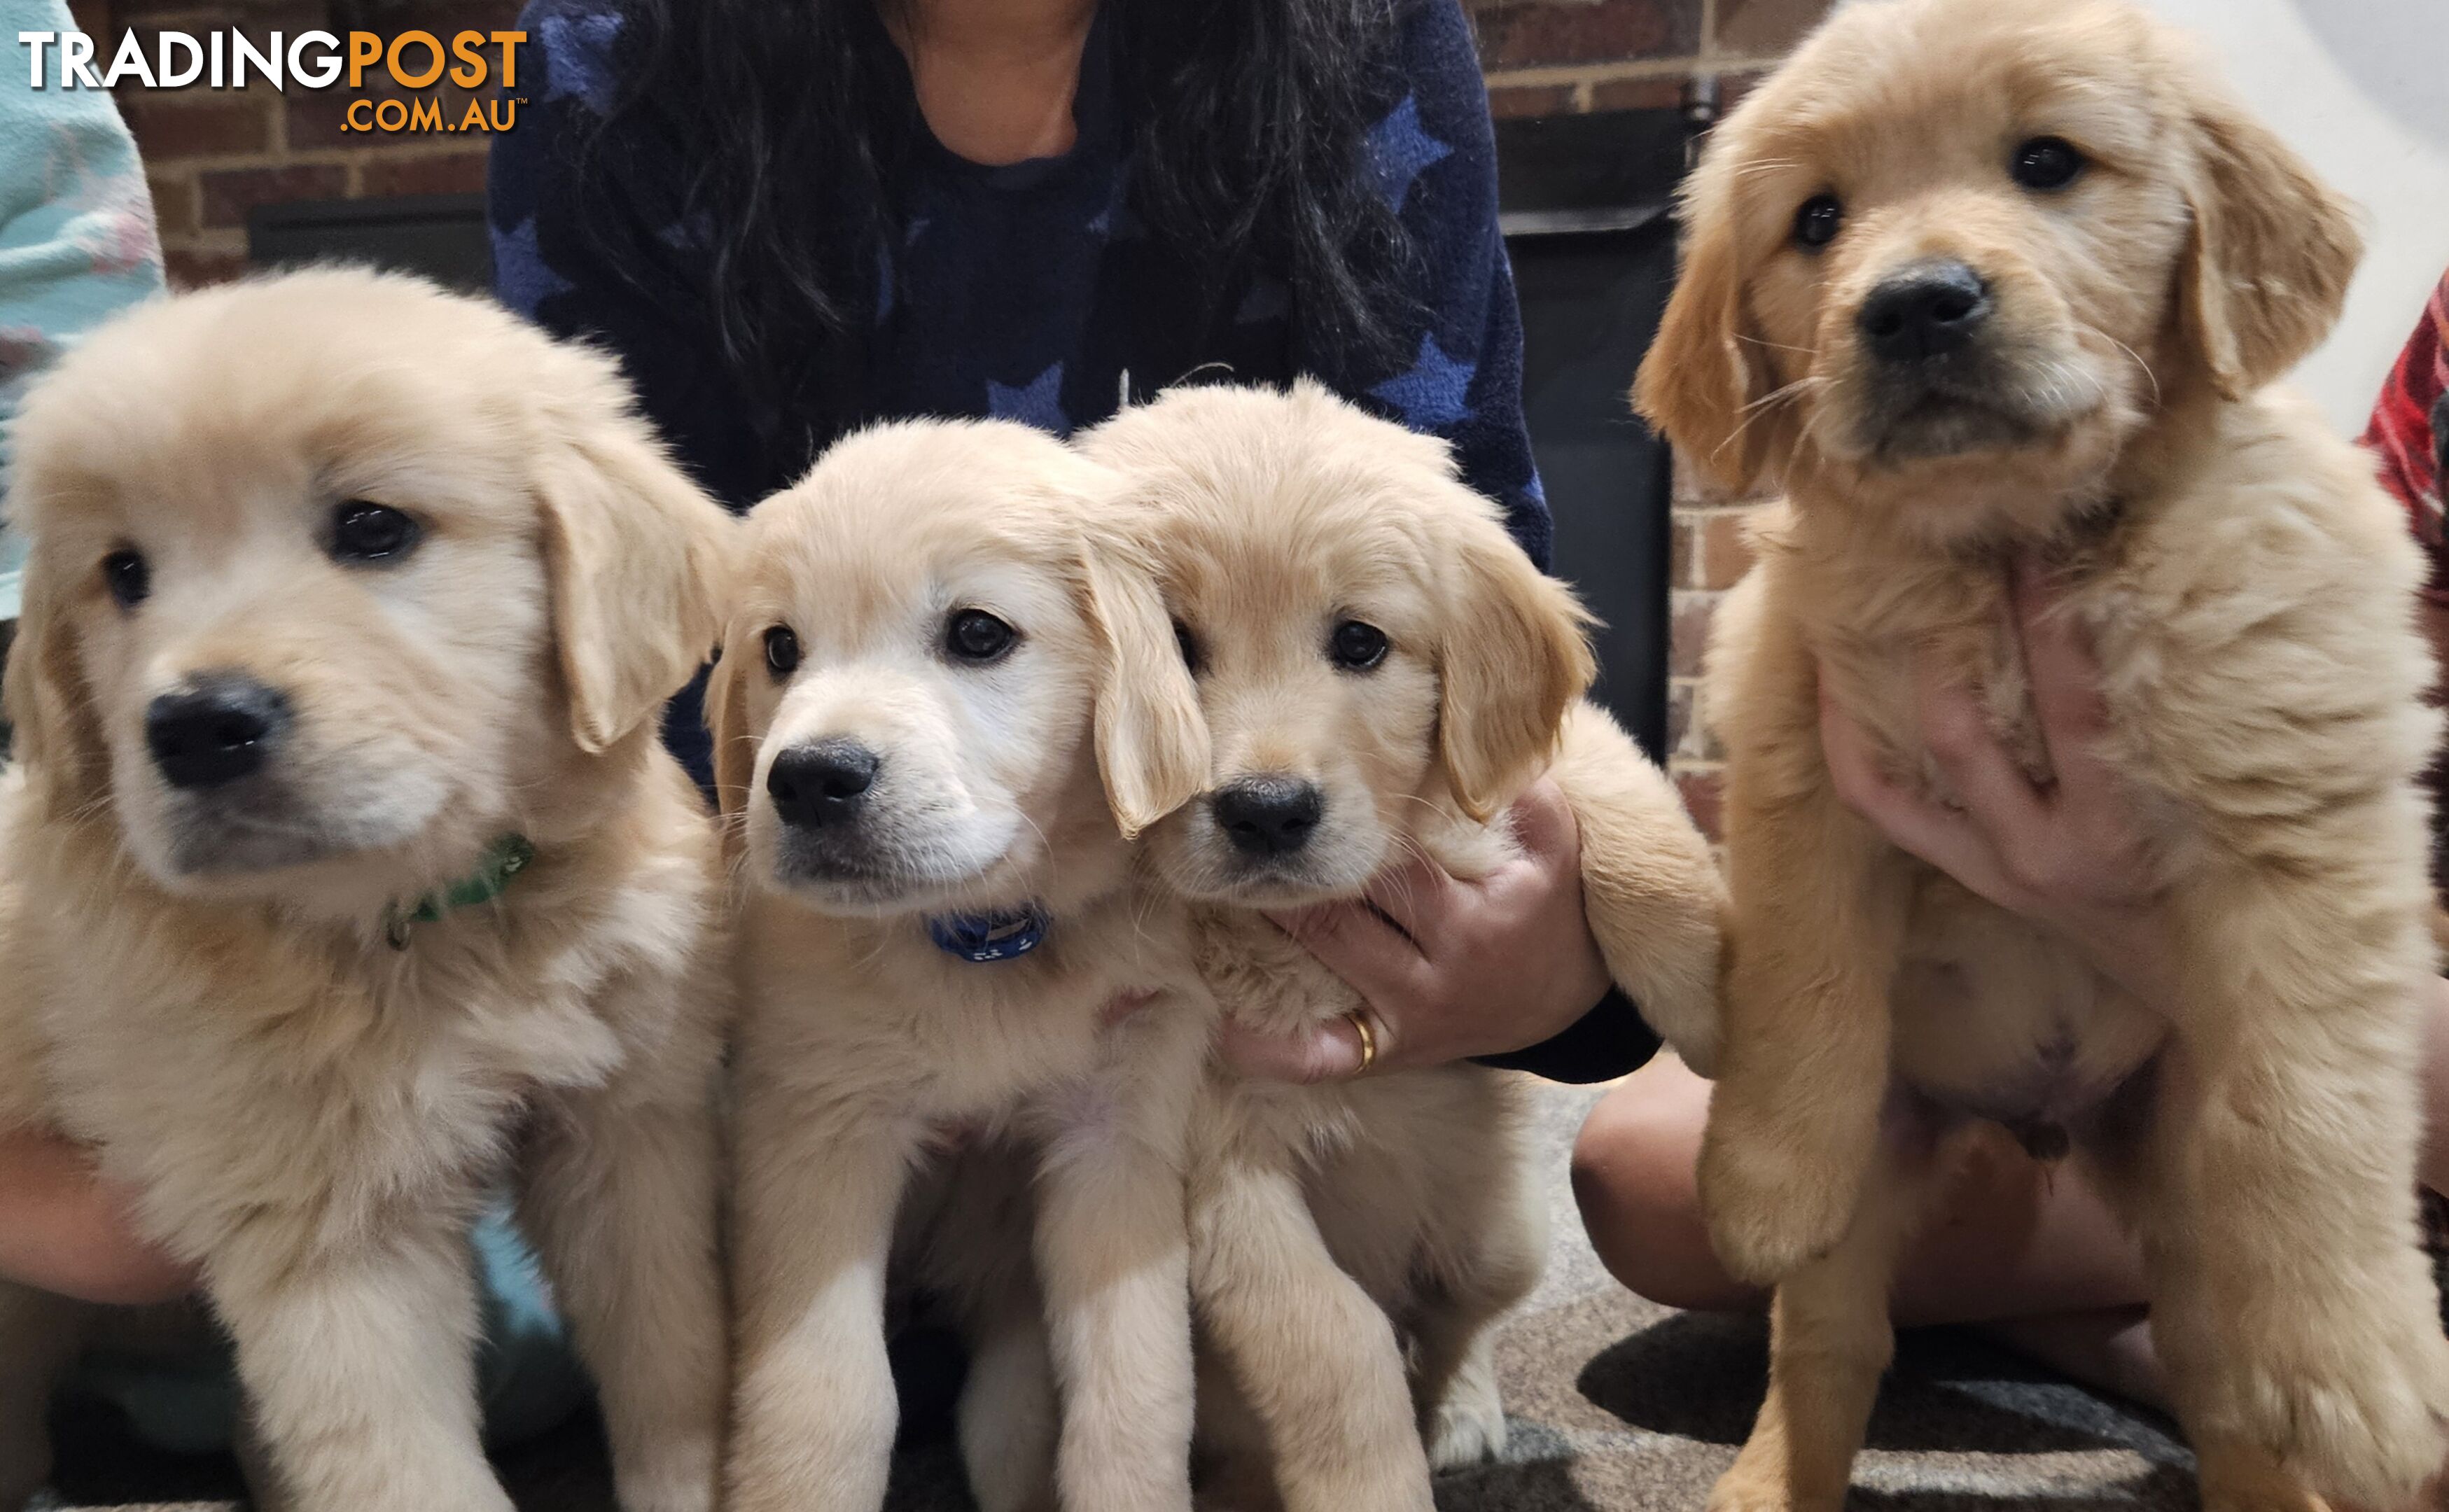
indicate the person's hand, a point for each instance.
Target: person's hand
{"x":2072,"y":856}
{"x":63,"y":1229}
{"x":1449,"y":968}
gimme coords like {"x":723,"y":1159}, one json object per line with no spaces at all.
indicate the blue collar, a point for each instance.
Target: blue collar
{"x":983,"y":937}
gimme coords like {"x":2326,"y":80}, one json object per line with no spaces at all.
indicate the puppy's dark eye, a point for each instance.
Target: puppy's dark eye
{"x":782,"y":651}
{"x":364,"y":532}
{"x":128,"y":577}
{"x":973,"y":635}
{"x":1355,"y":646}
{"x":2046,"y":162}
{"x":1816,"y":224}
{"x":1183,"y":637}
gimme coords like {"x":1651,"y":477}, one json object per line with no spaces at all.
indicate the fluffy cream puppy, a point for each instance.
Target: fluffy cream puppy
{"x":935,"y":698}
{"x":344,"y":878}
{"x":1974,"y":278}
{"x":1379,"y":670}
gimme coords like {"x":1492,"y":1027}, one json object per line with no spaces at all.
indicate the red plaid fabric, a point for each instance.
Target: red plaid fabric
{"x":2401,"y":437}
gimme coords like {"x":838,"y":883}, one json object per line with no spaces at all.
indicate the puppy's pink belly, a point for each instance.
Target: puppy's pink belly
{"x":2044,"y":1055}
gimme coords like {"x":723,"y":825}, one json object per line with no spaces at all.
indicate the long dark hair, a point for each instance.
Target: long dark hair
{"x":787,"y":120}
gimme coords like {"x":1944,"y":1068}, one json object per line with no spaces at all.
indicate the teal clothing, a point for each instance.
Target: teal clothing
{"x":527,"y":1382}
{"x":77,"y":244}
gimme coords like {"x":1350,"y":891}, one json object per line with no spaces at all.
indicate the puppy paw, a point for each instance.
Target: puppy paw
{"x":1744,"y":1488}
{"x":2357,"y":1412}
{"x":1769,"y":1218}
{"x":1468,"y":1427}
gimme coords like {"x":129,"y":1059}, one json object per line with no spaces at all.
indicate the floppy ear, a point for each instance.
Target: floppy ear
{"x":2272,"y":248}
{"x":1151,"y":737}
{"x":640,"y":564}
{"x":1516,"y":655}
{"x":727,"y":722}
{"x":58,"y":739}
{"x":1699,"y":379}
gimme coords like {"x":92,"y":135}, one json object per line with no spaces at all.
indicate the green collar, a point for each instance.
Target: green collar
{"x":504,"y":859}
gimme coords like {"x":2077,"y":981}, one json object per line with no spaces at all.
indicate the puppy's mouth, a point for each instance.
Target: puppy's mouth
{"x":253,"y":828}
{"x":867,"y":871}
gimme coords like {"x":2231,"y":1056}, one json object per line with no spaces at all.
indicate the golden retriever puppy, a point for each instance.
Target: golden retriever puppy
{"x":1978,"y":277}
{"x":342,"y":875}
{"x":1379,"y":668}
{"x":936,"y":699}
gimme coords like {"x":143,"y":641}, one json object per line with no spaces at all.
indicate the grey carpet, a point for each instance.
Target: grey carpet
{"x":1617,"y":1406}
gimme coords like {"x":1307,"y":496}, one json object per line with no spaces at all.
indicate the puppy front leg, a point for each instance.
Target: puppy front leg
{"x":814,"y":1410}
{"x":1829,"y":1343}
{"x":361,"y":1368}
{"x":2290,"y":1301}
{"x":620,"y":1195}
{"x":1820,"y":908}
{"x":1113,"y":1256}
{"x":40,"y":1334}
{"x":1315,"y":1357}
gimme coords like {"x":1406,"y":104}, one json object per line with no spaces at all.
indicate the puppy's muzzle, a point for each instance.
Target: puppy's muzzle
{"x":1269,"y":817}
{"x":1929,"y":311}
{"x":824,"y":785}
{"x":222,"y":727}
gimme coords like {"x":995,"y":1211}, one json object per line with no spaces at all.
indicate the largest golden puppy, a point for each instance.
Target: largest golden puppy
{"x":1978,"y":277}
{"x":343,"y":875}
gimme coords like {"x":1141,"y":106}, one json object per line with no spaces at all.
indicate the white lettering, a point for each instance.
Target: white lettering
{"x":243,"y":52}
{"x":325,"y":71}
{"x":76,"y":62}
{"x":37,"y":41}
{"x":172,"y":76}
{"x":130,"y":60}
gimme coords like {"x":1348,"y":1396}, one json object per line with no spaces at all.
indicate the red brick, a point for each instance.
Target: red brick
{"x":183,"y":125}
{"x":1764,"y":28}
{"x":229,"y":194}
{"x":1704,"y":796}
{"x":446,"y":173}
{"x":1530,"y":100}
{"x":1683,"y":552}
{"x":1725,"y":553}
{"x":1655,"y":92}
{"x":1687,"y":633}
{"x":194,"y":267}
{"x":174,"y":203}
{"x":1564,"y":31}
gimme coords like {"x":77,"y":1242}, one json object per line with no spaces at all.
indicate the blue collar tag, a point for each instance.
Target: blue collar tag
{"x":983,"y":937}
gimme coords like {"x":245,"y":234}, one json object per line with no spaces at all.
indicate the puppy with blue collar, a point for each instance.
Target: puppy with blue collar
{"x":941,"y":706}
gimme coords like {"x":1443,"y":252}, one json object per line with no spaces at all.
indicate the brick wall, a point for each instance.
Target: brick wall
{"x":1545,"y":57}
{"x":212,"y":155}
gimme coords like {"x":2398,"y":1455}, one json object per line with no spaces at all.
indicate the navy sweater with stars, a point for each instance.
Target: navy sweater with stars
{"x":1030,"y":292}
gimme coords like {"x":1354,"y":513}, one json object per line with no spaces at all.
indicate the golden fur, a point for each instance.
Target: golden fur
{"x":202,"y":988}
{"x":2250,"y":593}
{"x":1340,"y":1230}
{"x":862,"y":1041}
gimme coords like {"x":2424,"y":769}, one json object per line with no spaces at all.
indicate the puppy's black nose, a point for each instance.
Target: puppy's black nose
{"x":221,"y":727}
{"x":813,"y":786}
{"x":1928,"y":310}
{"x":1268,"y":816}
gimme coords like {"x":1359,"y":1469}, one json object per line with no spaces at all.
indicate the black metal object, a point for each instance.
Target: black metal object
{"x":1585,"y":212}
{"x":441,"y":236}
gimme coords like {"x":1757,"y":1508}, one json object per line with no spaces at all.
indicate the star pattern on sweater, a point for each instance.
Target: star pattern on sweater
{"x":1038,"y":402}
{"x":521,"y":275}
{"x":577,"y":53}
{"x":1401,"y":149}
{"x":1433,"y":392}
